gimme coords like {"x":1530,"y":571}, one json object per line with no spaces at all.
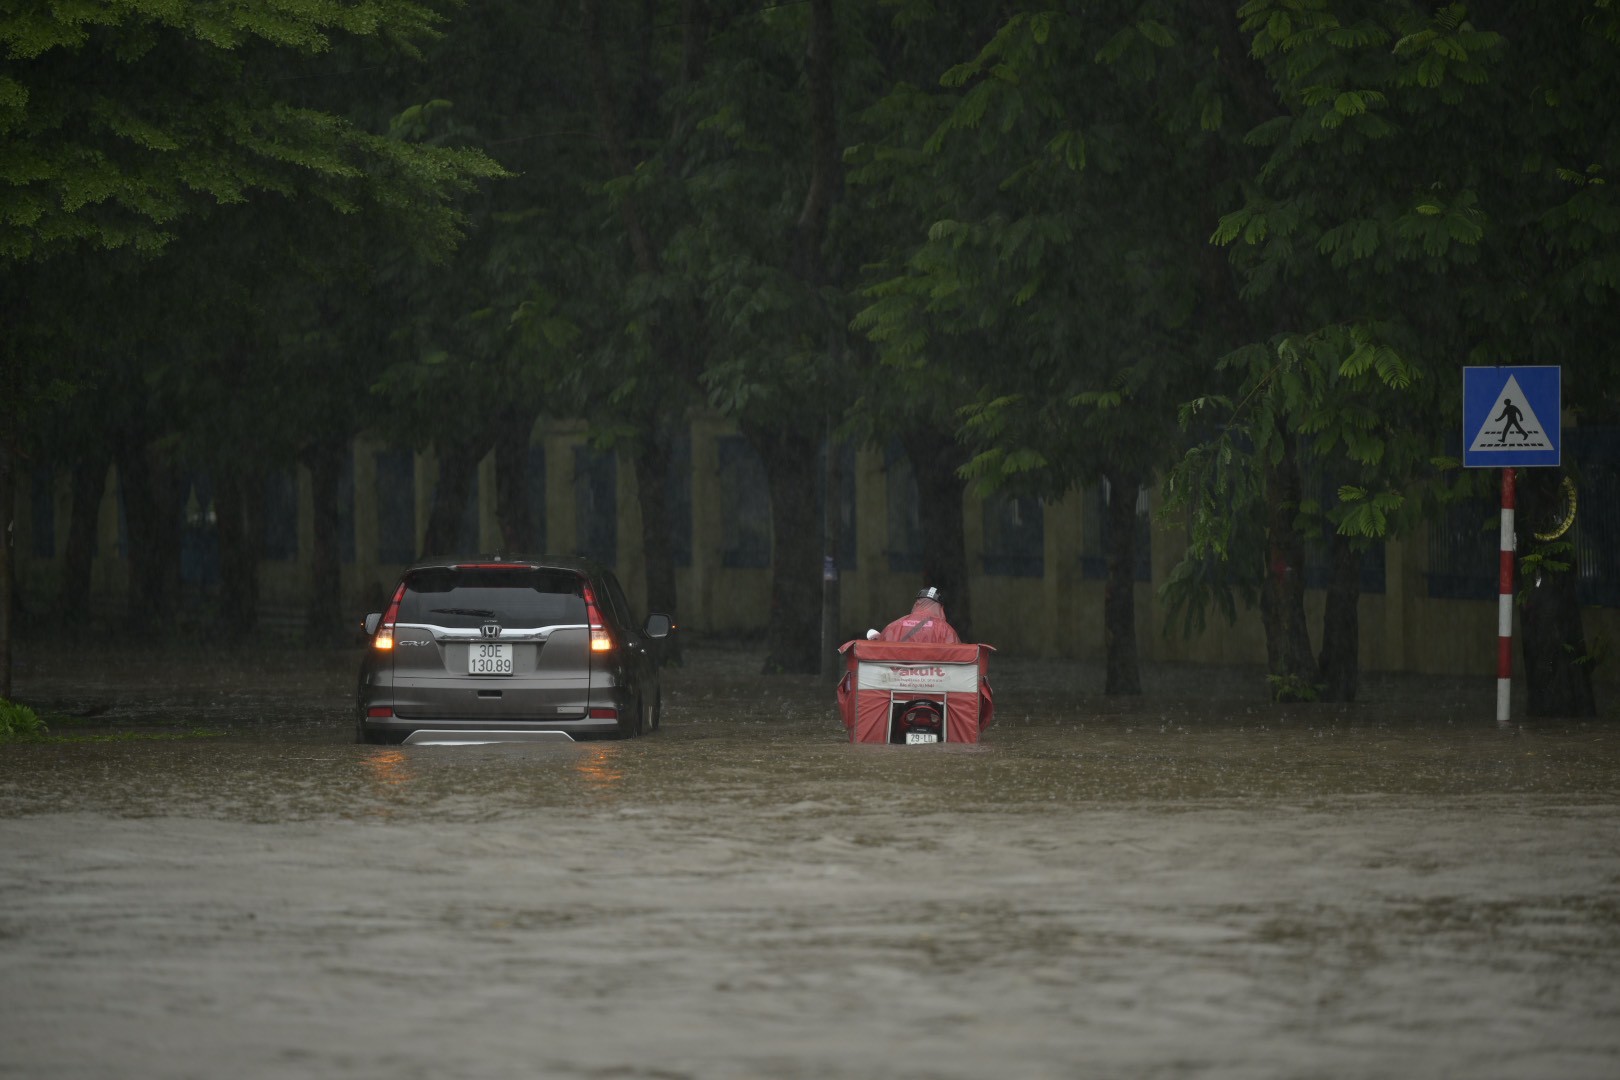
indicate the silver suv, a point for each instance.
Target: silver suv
{"x":493,"y":648}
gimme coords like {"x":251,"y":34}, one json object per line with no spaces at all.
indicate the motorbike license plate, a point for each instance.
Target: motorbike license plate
{"x":489,"y":659}
{"x":921,"y":737}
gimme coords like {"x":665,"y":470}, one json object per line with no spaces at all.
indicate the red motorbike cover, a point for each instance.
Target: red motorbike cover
{"x":879,"y":674}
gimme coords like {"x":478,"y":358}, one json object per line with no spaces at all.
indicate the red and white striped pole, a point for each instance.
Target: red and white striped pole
{"x":1504,"y":603}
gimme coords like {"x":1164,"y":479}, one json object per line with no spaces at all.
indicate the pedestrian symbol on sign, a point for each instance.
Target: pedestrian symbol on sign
{"x":1511,"y":414}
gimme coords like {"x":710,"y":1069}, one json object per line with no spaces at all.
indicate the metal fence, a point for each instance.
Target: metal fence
{"x":1463,"y":543}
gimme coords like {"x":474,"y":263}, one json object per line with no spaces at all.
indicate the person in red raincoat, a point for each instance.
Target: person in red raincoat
{"x":926,"y":624}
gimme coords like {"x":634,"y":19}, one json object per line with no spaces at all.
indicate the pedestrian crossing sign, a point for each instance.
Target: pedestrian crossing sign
{"x":1511,"y":416}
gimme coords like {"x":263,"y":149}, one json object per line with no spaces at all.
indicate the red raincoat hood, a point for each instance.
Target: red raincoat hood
{"x":926,"y":625}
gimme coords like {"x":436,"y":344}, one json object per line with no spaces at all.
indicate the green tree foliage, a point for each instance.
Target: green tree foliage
{"x":1467,"y":147}
{"x":1066,"y":227}
{"x":1072,"y":166}
{"x":133,"y":127}
{"x":120,"y":119}
{"x":756,"y":125}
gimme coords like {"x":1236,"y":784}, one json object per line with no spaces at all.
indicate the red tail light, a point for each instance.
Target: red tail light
{"x":380,"y":710}
{"x":599,"y":712}
{"x":393,"y":606}
{"x":601,"y":640}
{"x":384,"y":638}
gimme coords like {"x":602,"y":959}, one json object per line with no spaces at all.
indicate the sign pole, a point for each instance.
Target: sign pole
{"x":1512,"y":417}
{"x":1504,"y":602}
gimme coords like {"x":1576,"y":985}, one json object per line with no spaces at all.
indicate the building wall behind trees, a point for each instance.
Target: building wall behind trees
{"x":1428,"y":603}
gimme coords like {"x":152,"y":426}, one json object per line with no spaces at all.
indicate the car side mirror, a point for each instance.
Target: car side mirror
{"x":371,"y":623}
{"x":659,"y":626}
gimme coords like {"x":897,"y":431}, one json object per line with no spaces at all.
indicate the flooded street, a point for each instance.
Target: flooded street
{"x":1192,"y":883}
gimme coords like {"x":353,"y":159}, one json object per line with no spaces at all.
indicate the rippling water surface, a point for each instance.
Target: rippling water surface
{"x":1190,"y":883}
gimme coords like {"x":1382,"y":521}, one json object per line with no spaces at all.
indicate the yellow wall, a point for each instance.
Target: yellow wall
{"x":1059,"y":614}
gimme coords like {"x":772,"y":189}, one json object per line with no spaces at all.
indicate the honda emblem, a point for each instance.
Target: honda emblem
{"x":491,"y":630}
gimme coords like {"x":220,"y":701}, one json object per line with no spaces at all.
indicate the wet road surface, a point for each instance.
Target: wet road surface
{"x":1193,"y":883}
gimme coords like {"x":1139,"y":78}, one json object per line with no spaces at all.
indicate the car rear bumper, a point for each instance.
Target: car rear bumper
{"x":482,"y":729}
{"x":437,"y":737}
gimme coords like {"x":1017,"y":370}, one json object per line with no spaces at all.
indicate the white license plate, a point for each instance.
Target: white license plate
{"x":489,"y":659}
{"x":921,"y":736}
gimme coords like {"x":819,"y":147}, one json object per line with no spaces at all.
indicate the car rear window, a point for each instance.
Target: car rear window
{"x":518,"y":598}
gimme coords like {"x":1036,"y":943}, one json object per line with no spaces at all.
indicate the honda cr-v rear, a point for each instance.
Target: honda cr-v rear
{"x":489,"y":647}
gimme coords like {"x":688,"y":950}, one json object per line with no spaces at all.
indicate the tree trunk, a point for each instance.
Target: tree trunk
{"x":241,"y":546}
{"x":1119,"y":595}
{"x":806,"y":261}
{"x":809,"y":232}
{"x":650,"y":458}
{"x":1557,"y":665}
{"x":78,"y":557}
{"x":323,"y":623}
{"x":1338,"y":668}
{"x":671,"y":351}
{"x":458,"y":466}
{"x":612,"y":134}
{"x":8,"y":517}
{"x":1282,"y":595}
{"x":152,"y":503}
{"x":793,"y":636}
{"x":513,"y":513}
{"x":935,"y":458}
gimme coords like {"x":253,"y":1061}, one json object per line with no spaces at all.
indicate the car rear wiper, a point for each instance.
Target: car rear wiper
{"x":478,"y":612}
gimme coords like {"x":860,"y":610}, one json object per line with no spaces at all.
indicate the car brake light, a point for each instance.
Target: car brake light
{"x":491,"y":566}
{"x":380,"y":710}
{"x":393,"y":606}
{"x":601,"y":640}
{"x":598,"y":712}
{"x":384,"y":638}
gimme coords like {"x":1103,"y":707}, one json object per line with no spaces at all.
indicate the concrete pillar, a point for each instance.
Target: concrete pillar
{"x":367,"y":530}
{"x":106,"y":569}
{"x":489,"y":525}
{"x":973,"y":533}
{"x":1064,"y":519}
{"x":708,"y":531}
{"x":562,"y":530}
{"x":427,"y":476}
{"x":1169,"y":547}
{"x":304,"y":494}
{"x":632,"y":568}
{"x":861,"y":594}
{"x":1403,"y":583}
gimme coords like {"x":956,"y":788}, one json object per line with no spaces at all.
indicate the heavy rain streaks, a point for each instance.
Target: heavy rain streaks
{"x":1192,"y":882}
{"x":1162,"y":341}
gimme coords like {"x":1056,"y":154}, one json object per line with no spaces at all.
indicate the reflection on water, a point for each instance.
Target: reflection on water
{"x":388,"y":767}
{"x":480,"y":779}
{"x":598,"y":766}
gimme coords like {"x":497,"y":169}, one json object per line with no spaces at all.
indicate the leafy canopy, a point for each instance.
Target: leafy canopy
{"x":119,"y":119}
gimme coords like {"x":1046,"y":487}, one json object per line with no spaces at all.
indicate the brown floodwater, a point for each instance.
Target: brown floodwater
{"x":207,"y":876}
